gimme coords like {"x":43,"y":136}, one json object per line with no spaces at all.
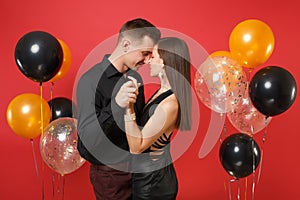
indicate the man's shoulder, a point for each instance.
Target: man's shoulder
{"x":98,"y":67}
{"x":95,"y":71}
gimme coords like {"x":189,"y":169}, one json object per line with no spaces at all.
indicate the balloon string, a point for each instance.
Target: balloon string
{"x":42,"y":116}
{"x":63,"y":187}
{"x":253,"y":185}
{"x":249,"y":74}
{"x":262,"y":150}
{"x":51,"y":96}
{"x":246,"y":187}
{"x":51,"y":90}
{"x":43,"y":192}
{"x":58,"y":188}
{"x":224,"y":131}
{"x":42,"y":134}
{"x":34,"y":158}
{"x":239,"y":190}
{"x":53,"y":185}
{"x":229,"y":187}
{"x":253,"y":168}
{"x":43,"y":184}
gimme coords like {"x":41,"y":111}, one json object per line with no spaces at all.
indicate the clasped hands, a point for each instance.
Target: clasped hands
{"x":126,"y":97}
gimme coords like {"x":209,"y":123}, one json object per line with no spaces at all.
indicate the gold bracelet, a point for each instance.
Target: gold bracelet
{"x":129,"y":117}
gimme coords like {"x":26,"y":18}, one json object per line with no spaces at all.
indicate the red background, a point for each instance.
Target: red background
{"x":83,"y":25}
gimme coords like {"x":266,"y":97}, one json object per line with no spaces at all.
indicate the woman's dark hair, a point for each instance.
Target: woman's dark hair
{"x":176,"y":57}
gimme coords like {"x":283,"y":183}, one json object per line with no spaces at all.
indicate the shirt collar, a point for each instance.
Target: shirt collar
{"x":110,"y":68}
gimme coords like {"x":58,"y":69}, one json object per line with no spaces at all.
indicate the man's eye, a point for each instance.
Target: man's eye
{"x":149,"y":54}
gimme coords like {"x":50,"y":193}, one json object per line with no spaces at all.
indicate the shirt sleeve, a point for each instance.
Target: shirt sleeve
{"x":89,"y":130}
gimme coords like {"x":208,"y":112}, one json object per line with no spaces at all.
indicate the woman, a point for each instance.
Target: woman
{"x":168,"y":109}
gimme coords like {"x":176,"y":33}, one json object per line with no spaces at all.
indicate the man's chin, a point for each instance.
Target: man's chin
{"x":136,"y":68}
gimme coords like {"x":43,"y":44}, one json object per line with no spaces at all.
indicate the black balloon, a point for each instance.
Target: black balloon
{"x":272,"y":90}
{"x":62,"y":107}
{"x":39,"y":56}
{"x":239,"y":155}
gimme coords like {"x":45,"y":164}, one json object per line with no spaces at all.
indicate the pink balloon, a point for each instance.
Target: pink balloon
{"x":58,"y":146}
{"x":246,"y":118}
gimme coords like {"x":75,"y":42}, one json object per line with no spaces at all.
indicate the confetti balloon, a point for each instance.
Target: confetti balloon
{"x":58,"y":146}
{"x":246,"y":118}
{"x":220,"y":83}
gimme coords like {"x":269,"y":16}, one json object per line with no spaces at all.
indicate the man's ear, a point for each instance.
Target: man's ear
{"x":125,"y":45}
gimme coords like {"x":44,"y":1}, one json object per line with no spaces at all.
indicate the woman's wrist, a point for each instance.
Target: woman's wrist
{"x":129,"y":117}
{"x":129,"y":109}
{"x":129,"y":113}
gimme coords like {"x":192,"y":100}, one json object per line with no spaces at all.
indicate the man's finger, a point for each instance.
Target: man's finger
{"x":134,"y":81}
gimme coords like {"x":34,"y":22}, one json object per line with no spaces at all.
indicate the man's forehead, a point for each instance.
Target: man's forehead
{"x":146,"y":50}
{"x":147,"y":43}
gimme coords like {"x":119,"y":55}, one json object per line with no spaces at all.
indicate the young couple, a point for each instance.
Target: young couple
{"x":126,"y":140}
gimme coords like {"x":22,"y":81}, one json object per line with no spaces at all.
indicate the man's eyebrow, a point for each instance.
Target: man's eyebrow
{"x":147,"y":52}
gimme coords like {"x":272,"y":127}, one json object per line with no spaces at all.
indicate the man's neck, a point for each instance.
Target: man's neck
{"x":117,"y":62}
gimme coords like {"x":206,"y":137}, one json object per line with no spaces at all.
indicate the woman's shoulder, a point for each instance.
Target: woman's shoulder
{"x":170,"y":103}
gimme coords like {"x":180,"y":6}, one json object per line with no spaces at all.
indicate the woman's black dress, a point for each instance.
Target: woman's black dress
{"x":154,"y":176}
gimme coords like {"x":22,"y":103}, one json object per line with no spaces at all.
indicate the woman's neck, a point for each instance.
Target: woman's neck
{"x":164,"y":85}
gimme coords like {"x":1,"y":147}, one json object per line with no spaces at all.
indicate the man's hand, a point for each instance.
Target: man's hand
{"x":127,"y":93}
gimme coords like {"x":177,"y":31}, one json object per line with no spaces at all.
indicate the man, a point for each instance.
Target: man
{"x":102,"y":140}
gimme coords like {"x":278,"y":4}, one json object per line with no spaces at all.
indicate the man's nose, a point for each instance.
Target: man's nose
{"x":147,"y":60}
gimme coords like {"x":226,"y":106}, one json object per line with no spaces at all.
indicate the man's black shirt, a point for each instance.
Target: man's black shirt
{"x":100,"y":120}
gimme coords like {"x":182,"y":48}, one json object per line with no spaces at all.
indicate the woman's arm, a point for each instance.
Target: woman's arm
{"x":162,"y":121}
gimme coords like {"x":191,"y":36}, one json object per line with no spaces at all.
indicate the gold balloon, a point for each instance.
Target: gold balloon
{"x":66,"y":63}
{"x":251,"y":43}
{"x":221,"y":53}
{"x":24,"y":115}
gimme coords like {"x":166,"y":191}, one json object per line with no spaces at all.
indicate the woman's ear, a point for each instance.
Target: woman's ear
{"x":161,"y":61}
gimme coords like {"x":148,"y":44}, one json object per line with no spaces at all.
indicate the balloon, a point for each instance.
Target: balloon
{"x":251,"y":43}
{"x":24,"y":115}
{"x":239,"y":155}
{"x":58,"y":146}
{"x":221,"y":54}
{"x":272,"y":90}
{"x":62,"y":107}
{"x":38,"y":56}
{"x":246,"y":118}
{"x":220,"y":83}
{"x":66,"y":63}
